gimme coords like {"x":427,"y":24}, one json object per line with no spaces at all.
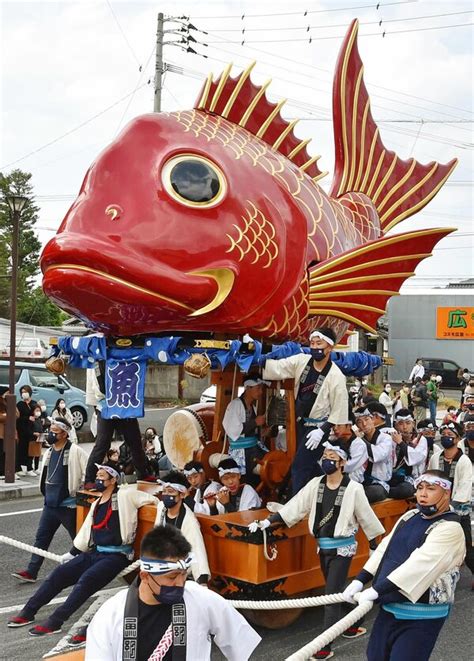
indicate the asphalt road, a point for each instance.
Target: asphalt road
{"x":18,"y":519}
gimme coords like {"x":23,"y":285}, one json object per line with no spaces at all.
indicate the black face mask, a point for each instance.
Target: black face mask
{"x":318,"y":354}
{"x":447,"y":442}
{"x":470,"y":435}
{"x":329,"y":466}
{"x":52,"y":437}
{"x":100,"y":485}
{"x":169,"y":594}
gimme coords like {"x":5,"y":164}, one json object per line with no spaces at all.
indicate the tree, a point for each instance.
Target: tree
{"x":32,"y":304}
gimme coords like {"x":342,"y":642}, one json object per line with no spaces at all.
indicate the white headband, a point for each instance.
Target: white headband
{"x":336,"y":448}
{"x":250,"y":383}
{"x":434,"y":479}
{"x":173,"y":485}
{"x":450,"y":426}
{"x":363,"y":414}
{"x":108,"y":469}
{"x":404,"y":417}
{"x":61,"y":425}
{"x":193,"y":471}
{"x":321,"y":337}
{"x":223,"y":471}
{"x":153,"y":566}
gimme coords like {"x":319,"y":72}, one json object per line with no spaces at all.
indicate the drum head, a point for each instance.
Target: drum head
{"x":182,"y":436}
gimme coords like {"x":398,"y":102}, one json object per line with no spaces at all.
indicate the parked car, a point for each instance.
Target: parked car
{"x":28,"y":347}
{"x":47,"y":386}
{"x":447,"y":369}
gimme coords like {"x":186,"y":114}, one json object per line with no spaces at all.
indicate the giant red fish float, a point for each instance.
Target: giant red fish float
{"x":212,"y":219}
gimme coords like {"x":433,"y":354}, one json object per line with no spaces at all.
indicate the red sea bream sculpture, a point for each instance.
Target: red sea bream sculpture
{"x":212,"y":219}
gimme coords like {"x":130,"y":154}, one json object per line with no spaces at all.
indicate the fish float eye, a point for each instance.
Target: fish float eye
{"x":194,"y":181}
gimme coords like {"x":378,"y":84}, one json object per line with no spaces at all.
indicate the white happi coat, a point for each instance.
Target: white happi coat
{"x":416,"y":457}
{"x":382,"y":459}
{"x":249,"y":499}
{"x":462,"y":485}
{"x":358,"y":457}
{"x":355,"y":510}
{"x":207,"y":613}
{"x":192,"y":532}
{"x":76,"y":467}
{"x":434,"y":565}
{"x":234,"y":418}
{"x":332,"y":401}
{"x":203,"y":508}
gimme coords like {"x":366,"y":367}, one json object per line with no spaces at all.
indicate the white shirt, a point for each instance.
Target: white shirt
{"x":207,"y":613}
{"x":387,"y":401}
{"x":249,"y":499}
{"x":418,"y":370}
{"x":358,"y":458}
{"x":234,"y":418}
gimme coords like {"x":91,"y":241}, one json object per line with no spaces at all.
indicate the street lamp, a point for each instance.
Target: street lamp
{"x":16,"y":204}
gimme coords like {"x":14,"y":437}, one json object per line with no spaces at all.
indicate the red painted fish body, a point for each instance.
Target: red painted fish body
{"x":211,"y":220}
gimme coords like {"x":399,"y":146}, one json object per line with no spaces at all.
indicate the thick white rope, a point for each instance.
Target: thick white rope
{"x":332,"y":633}
{"x":280,"y":604}
{"x":53,"y":556}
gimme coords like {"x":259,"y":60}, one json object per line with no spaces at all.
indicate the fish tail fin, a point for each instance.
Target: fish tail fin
{"x":356,"y":285}
{"x":397,"y":188}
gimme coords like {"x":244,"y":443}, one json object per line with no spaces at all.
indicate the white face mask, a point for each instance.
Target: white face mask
{"x":25,"y":395}
{"x":37,"y":414}
{"x":388,"y":389}
{"x":62,"y":405}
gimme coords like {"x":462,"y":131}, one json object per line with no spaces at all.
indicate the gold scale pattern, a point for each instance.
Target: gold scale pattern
{"x":334,"y":226}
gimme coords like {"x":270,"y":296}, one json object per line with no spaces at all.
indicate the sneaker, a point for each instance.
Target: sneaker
{"x":325,"y":653}
{"x":42,"y":630}
{"x":24,"y":576}
{"x":354,"y":632}
{"x":32,"y":473}
{"x":21,"y":473}
{"x":19,"y":621}
{"x":79,"y":637}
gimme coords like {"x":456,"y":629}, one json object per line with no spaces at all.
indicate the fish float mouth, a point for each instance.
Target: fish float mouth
{"x":223,"y":277}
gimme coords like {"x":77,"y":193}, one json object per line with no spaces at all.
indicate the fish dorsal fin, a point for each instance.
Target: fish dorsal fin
{"x":240,"y":101}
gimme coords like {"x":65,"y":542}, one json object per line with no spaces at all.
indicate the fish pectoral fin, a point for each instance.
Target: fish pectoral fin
{"x":224,"y":278}
{"x":356,"y":285}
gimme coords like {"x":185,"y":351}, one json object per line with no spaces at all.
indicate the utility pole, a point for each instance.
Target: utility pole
{"x":158,"y":64}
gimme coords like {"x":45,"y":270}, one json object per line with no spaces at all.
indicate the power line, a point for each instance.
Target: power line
{"x":123,"y":34}
{"x":76,"y":128}
{"x":305,"y":13}
{"x":342,"y":25}
{"x":342,"y":36}
{"x":330,"y":73}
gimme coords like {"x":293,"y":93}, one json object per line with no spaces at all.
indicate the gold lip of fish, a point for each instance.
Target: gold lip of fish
{"x":223,"y":277}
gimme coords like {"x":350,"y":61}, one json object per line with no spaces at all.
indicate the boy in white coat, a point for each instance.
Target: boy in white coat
{"x":162,"y":614}
{"x":336,"y":506}
{"x":172,"y":510}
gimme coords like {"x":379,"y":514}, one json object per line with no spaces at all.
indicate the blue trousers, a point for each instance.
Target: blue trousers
{"x":305,"y":465}
{"x":432,"y":404}
{"x":88,"y":572}
{"x":402,"y":640}
{"x":51,"y":519}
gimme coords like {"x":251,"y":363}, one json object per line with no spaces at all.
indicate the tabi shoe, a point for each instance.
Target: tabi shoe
{"x":325,"y":653}
{"x":45,"y":629}
{"x":354,"y":632}
{"x":24,"y":576}
{"x":19,"y":621}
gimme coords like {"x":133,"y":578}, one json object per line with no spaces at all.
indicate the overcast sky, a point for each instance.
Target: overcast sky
{"x":71,"y":81}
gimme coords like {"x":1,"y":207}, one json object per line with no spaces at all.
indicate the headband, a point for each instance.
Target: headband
{"x":223,"y":471}
{"x":108,"y":469}
{"x":193,"y":471}
{"x":434,"y":479}
{"x":62,"y":425}
{"x":154,"y":566}
{"x":450,"y":426}
{"x":173,"y":485}
{"x":250,"y":383}
{"x":321,"y":336}
{"x":335,"y":448}
{"x":363,"y":414}
{"x":404,"y":417}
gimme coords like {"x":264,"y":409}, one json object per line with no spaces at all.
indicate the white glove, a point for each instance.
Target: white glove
{"x":314,"y":439}
{"x":65,"y":557}
{"x":259,"y":525}
{"x":352,"y":589}
{"x":368,"y":595}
